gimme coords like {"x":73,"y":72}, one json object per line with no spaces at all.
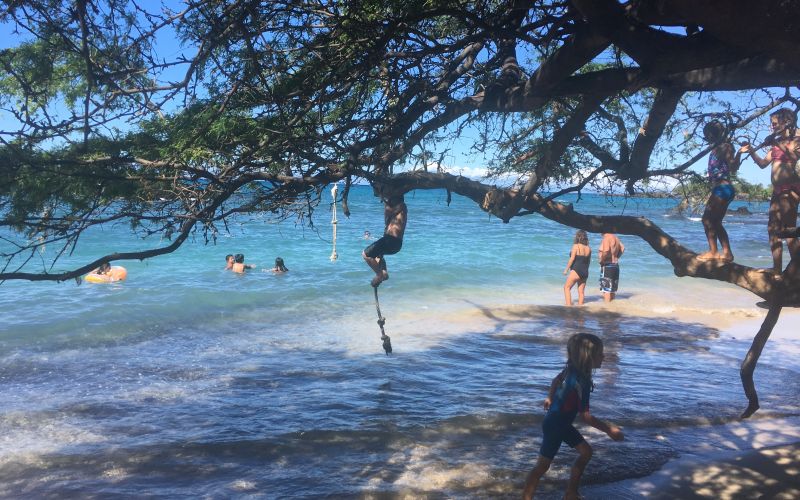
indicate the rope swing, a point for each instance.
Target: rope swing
{"x":334,"y":222}
{"x":387,"y":342}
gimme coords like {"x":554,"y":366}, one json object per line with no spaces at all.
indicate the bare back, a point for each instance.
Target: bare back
{"x":610,"y":249}
{"x":395,"y":217}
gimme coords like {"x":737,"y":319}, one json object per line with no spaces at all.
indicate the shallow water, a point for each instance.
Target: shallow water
{"x":187,"y":381}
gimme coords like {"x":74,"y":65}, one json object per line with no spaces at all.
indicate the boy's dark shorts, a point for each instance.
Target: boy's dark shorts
{"x":609,"y":278}
{"x":387,"y":245}
{"x":555,"y":431}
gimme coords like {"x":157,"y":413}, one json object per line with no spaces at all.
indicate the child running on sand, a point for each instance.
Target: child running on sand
{"x":568,"y":396}
{"x":722,"y":162}
{"x":783,"y":155}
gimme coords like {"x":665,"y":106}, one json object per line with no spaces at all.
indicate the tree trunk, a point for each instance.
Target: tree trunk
{"x":750,"y":361}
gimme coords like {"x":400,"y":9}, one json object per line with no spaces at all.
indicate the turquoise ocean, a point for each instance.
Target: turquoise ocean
{"x":187,"y":381}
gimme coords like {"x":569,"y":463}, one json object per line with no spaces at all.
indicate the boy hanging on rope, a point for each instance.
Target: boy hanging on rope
{"x":395,"y":214}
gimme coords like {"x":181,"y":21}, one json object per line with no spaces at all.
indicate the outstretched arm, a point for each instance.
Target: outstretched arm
{"x":761,"y":162}
{"x":612,"y":430}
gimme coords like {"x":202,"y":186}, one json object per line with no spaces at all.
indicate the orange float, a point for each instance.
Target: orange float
{"x":116,"y":273}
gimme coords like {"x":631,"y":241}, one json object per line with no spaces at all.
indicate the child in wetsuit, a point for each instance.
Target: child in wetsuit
{"x":568,"y":396}
{"x":722,"y":162}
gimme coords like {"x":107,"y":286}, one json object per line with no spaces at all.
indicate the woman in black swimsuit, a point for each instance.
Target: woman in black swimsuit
{"x":577,"y":269}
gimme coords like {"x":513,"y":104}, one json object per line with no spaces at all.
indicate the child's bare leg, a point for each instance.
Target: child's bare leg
{"x":776,"y":246}
{"x":789,"y":219}
{"x":709,"y":225}
{"x":773,"y":226}
{"x":584,"y":455}
{"x":725,"y":243}
{"x":542,"y":466}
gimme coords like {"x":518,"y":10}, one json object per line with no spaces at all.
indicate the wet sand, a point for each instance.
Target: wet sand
{"x":743,"y":460}
{"x":754,"y":458}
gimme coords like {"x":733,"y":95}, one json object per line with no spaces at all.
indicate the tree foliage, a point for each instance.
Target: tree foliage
{"x":176,"y":118}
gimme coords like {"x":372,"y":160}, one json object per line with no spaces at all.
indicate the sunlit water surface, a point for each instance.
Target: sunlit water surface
{"x":188,"y":381}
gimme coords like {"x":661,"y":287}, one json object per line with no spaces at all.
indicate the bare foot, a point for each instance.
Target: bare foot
{"x":708,"y":256}
{"x":380,"y":278}
{"x":726,"y":257}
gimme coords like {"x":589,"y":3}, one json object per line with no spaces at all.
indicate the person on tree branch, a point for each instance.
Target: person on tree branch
{"x":395,"y":214}
{"x":722,"y":162}
{"x":783,"y":155}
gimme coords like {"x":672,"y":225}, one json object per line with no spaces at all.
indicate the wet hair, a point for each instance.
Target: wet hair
{"x":581,"y":237}
{"x":786,"y":117}
{"x":280,"y":266}
{"x":714,"y":131}
{"x":229,"y":256}
{"x":238,"y":258}
{"x":104,"y":268}
{"x":582,"y":349}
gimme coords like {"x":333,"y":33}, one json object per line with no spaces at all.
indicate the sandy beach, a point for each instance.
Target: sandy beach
{"x":736,"y":461}
{"x":753,"y":458}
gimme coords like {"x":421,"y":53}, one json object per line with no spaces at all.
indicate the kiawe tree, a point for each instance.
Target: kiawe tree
{"x":177,"y":118}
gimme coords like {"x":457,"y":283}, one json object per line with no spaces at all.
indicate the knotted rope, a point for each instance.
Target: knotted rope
{"x":334,"y":221}
{"x":387,"y":342}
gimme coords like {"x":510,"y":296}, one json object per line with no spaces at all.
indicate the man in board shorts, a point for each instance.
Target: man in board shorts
{"x":395,"y":214}
{"x":610,"y":251}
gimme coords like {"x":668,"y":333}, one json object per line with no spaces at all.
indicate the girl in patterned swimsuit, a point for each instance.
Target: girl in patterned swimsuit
{"x":577,"y":269}
{"x":783,"y":155}
{"x":721,"y":164}
{"x":568,"y":396}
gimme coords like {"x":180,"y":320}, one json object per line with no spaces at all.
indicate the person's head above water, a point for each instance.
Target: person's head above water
{"x":581,"y":237}
{"x":238,"y":258}
{"x":280,"y":266}
{"x":104,"y":268}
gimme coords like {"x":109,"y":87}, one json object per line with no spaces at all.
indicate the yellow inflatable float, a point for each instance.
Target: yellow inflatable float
{"x":116,"y":273}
